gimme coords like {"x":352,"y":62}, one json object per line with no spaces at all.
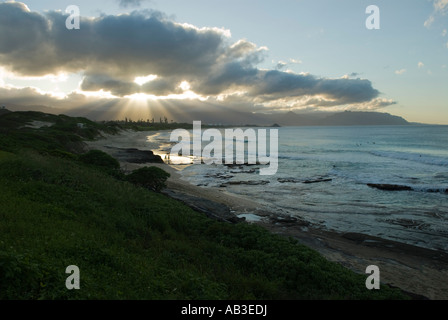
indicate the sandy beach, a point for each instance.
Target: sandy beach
{"x":421,"y":272}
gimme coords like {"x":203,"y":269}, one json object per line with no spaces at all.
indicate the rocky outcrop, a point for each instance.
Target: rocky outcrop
{"x":293,"y":180}
{"x":210,"y":208}
{"x":390,"y":187}
{"x":133,"y":155}
{"x":396,"y":187}
{"x":288,"y":180}
{"x":317,"y":180}
{"x":250,"y":183}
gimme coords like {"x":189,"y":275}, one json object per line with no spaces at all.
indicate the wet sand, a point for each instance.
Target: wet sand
{"x":416,"y":270}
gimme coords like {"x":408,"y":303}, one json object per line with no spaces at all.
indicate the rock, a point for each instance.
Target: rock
{"x":437,"y":191}
{"x":390,"y":187}
{"x":133,"y":155}
{"x":240,"y":165}
{"x":317,"y":180}
{"x":293,"y":180}
{"x":219,"y":176}
{"x":210,"y":208}
{"x":285,"y":180}
{"x":250,"y":182}
{"x":248,"y":171}
{"x":282,"y":219}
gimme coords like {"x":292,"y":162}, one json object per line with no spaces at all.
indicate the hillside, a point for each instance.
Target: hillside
{"x":350,"y":118}
{"x":347,"y":118}
{"x":215,"y":115}
{"x":59,"y":208}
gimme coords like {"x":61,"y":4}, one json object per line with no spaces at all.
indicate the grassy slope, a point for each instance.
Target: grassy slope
{"x":130,"y":243}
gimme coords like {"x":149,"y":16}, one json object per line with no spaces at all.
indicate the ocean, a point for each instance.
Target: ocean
{"x":324,"y":172}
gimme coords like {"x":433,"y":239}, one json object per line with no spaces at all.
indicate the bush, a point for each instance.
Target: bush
{"x":62,"y":154}
{"x":152,"y":178}
{"x":19,"y":277}
{"x":100,"y":159}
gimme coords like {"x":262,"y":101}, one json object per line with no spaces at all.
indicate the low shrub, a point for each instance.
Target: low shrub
{"x":152,"y":178}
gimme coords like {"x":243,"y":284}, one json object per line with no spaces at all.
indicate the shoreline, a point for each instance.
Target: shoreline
{"x":419,"y":271}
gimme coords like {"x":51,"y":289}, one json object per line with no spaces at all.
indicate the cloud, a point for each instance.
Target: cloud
{"x":429,"y":21}
{"x":440,"y":9}
{"x":401,"y":71}
{"x":295,"y":61}
{"x":441,"y":5}
{"x":351,"y":75}
{"x":41,"y":44}
{"x":274,"y":84}
{"x":130,"y":3}
{"x":110,"y":52}
{"x":281,"y":65}
{"x":420,"y":64}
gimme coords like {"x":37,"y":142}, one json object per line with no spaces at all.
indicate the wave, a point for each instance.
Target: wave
{"x":356,"y":155}
{"x":421,"y":158}
{"x":431,"y":189}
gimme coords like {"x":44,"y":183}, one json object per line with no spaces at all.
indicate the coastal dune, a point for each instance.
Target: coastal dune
{"x":418,"y":271}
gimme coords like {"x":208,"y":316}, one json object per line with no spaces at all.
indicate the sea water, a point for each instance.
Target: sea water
{"x":324,"y":172}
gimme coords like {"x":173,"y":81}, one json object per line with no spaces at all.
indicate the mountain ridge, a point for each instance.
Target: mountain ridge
{"x":237,"y":117}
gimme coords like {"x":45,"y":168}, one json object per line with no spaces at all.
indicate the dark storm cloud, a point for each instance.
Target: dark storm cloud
{"x":161,"y":87}
{"x":111,"y":51}
{"x":276,"y":84}
{"x":231,"y":76}
{"x":157,"y":87}
{"x":103,"y":82}
{"x":127,"y":45}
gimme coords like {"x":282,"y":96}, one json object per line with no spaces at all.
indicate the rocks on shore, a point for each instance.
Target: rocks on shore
{"x":397,"y":187}
{"x":219,"y":176}
{"x":293,"y":180}
{"x":288,"y":180}
{"x":437,"y":190}
{"x":246,"y":171}
{"x":250,"y":183}
{"x":287,"y":220}
{"x":317,"y":180}
{"x":240,"y":165}
{"x":390,"y":187}
{"x":210,"y":208}
{"x":133,"y":155}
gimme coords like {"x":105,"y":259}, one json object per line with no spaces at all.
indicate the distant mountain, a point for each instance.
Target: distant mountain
{"x":347,"y":118}
{"x":219,"y":115}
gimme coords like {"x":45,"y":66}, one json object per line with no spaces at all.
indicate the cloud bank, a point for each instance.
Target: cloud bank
{"x":130,"y":3}
{"x":440,"y":9}
{"x":111,"y":52}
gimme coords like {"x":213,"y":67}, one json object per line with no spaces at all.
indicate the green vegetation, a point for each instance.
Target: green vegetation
{"x":59,"y":208}
{"x":152,"y":178}
{"x":60,"y":136}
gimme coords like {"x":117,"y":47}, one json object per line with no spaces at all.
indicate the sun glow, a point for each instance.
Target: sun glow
{"x":142,"y":80}
{"x":185,"y":86}
{"x":140,"y":97}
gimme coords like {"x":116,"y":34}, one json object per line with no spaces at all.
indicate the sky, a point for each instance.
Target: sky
{"x":148,"y":58}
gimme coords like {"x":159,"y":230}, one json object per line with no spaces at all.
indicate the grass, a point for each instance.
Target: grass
{"x":132,"y":243}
